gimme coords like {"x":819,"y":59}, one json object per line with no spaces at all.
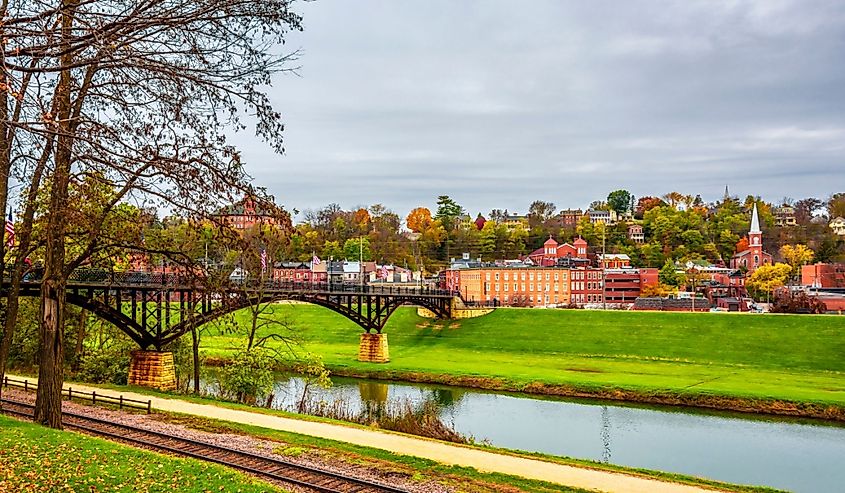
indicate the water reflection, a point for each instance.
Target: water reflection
{"x":778,"y":453}
{"x":605,"y":435}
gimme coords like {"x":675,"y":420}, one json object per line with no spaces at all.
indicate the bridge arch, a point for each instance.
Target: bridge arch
{"x":153,"y":326}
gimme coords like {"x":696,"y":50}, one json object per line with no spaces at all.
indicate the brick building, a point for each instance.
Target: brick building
{"x":247,"y":213}
{"x":823,"y":275}
{"x":304,"y":272}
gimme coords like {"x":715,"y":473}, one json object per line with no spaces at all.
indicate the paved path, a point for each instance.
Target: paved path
{"x":481,"y":460}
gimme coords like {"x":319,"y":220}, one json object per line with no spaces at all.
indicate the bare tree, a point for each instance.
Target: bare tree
{"x":136,"y":95}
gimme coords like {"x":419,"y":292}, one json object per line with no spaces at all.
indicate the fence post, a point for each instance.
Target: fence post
{"x":93,"y":397}
{"x":149,"y":407}
{"x":70,"y":394}
{"x":26,"y":385}
{"x":121,"y":401}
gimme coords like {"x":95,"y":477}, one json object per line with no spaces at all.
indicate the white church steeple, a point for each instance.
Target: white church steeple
{"x":755,"y":221}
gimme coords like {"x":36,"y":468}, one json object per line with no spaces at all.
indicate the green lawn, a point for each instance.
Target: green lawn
{"x":789,"y":357}
{"x":34,"y":458}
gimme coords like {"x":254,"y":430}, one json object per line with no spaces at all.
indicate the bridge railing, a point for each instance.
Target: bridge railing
{"x":153,"y":279}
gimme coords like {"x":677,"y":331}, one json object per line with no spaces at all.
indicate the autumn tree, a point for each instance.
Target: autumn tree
{"x":796,"y":256}
{"x":419,"y":219}
{"x":645,"y":204}
{"x":766,"y":278}
{"x":805,"y":209}
{"x":836,"y":205}
{"x":141,"y":94}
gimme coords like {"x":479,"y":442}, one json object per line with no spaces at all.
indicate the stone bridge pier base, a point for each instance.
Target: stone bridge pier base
{"x":373,"y":348}
{"x":153,"y":369}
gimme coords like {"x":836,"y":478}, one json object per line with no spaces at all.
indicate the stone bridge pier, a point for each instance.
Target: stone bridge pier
{"x":154,"y":369}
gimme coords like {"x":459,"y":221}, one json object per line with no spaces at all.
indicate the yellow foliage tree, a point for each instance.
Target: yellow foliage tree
{"x":767,"y":278}
{"x":796,"y":256}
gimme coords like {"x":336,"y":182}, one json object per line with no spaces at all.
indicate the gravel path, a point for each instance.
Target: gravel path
{"x":244,"y":443}
{"x":482,"y":460}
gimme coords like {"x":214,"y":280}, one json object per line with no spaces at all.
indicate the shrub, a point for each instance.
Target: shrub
{"x":248,"y":376}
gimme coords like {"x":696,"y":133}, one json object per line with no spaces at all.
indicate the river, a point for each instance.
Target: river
{"x":794,"y":455}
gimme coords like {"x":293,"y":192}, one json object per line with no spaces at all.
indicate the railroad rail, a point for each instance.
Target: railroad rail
{"x":275,"y":469}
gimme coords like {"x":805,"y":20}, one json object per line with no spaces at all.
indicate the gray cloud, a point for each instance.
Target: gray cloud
{"x":498,"y":104}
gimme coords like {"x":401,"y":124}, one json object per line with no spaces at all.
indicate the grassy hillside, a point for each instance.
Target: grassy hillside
{"x":798,"y":358}
{"x":34,"y":458}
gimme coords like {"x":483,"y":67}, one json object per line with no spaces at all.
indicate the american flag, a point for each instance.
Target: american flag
{"x":10,"y":231}
{"x":263,"y":260}
{"x":315,"y":260}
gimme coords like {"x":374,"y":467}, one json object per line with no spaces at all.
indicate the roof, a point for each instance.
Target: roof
{"x":755,"y":221}
{"x":614,"y":256}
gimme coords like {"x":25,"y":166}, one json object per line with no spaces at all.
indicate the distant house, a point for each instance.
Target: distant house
{"x":838,"y":226}
{"x":515,"y":221}
{"x":599,"y":216}
{"x":614,"y":261}
{"x":569,"y":218}
{"x":635,"y":233}
{"x":784,"y":216}
{"x":247,"y":213}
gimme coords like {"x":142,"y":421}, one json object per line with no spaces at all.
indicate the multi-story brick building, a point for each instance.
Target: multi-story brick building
{"x":304,"y":272}
{"x":511,"y":286}
{"x":247,"y":213}
{"x":623,"y":286}
{"x":569,"y":218}
{"x":823,"y":275}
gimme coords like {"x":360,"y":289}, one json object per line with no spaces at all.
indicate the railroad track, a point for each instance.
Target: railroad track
{"x":265,"y":467}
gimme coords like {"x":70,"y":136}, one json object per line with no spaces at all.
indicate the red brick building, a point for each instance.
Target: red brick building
{"x":303,"y":272}
{"x":247,"y":213}
{"x":823,"y":275}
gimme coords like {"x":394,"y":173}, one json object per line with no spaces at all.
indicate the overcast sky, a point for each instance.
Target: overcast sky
{"x":498,"y":104}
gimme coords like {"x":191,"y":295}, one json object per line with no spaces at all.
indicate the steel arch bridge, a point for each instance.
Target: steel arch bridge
{"x":155,"y":309}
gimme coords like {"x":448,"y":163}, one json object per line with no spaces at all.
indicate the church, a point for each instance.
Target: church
{"x":754,"y":256}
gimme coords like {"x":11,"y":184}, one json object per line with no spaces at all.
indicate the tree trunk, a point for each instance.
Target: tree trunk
{"x":80,"y":338}
{"x":48,"y":401}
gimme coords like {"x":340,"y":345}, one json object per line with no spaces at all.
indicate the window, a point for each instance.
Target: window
{"x":486,"y":286}
{"x":507,"y":276}
{"x":523,"y":276}
{"x":547,"y":276}
{"x":531,"y":276}
{"x":506,"y":287}
{"x":547,"y":287}
{"x":523,"y":286}
{"x":756,"y":260}
{"x":557,"y":276}
{"x":556,"y":288}
{"x":497,"y":287}
{"x":532,"y":286}
{"x":488,"y":276}
{"x":497,"y":276}
{"x":514,"y":287}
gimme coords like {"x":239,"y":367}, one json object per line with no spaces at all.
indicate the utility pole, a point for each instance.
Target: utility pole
{"x":361,"y":261}
{"x":603,"y":260}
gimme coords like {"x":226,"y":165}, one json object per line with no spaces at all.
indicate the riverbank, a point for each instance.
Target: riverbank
{"x":787,"y":365}
{"x":485,"y":468}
